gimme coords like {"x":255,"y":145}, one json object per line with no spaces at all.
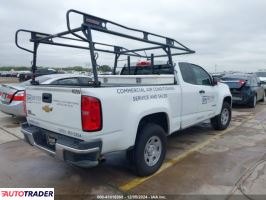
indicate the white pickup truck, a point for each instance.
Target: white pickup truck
{"x":133,"y":112}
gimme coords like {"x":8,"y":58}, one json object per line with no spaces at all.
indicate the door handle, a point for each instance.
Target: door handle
{"x":47,"y":98}
{"x":202,"y":92}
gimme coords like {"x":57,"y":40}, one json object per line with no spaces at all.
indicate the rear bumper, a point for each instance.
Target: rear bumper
{"x":244,"y":100}
{"x":75,"y":151}
{"x":14,"y":108}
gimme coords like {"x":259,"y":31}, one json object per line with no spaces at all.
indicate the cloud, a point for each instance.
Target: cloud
{"x":229,"y":34}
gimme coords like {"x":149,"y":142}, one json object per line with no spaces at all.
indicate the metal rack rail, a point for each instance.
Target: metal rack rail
{"x":92,"y":23}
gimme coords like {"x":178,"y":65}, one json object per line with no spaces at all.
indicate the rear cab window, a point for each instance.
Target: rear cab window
{"x":83,"y":81}
{"x":147,"y":70}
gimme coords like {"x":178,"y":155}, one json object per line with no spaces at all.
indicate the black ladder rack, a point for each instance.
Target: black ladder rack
{"x":94,"y":23}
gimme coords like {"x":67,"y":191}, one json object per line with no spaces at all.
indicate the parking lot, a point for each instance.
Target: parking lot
{"x":200,"y":161}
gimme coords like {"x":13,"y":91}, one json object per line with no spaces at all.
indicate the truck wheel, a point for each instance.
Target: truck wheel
{"x":263,"y":97}
{"x":253,"y":102}
{"x":150,"y":149}
{"x":130,"y":156}
{"x":221,"y":121}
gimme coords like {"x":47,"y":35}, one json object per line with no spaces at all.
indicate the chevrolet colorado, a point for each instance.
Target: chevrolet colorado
{"x":133,"y":111}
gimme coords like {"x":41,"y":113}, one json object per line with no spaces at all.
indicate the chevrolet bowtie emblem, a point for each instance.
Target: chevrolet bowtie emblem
{"x":47,"y":109}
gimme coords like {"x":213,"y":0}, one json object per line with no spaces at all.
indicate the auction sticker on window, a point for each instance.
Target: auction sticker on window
{"x":26,"y":193}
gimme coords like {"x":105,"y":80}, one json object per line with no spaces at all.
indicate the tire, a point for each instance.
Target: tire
{"x":222,"y":121}
{"x":130,"y":156}
{"x":263,"y":97}
{"x":151,"y":137}
{"x":253,"y":102}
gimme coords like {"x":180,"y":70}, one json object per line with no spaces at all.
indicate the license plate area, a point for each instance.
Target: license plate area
{"x":237,"y":98}
{"x":45,"y":140}
{"x":51,"y":141}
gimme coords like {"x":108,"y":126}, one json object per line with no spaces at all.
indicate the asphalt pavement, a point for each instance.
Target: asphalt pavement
{"x":200,"y":163}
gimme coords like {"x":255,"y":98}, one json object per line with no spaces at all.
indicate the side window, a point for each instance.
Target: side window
{"x":255,"y":82}
{"x":258,"y":81}
{"x":187,"y":73}
{"x":194,"y":74}
{"x":68,"y":81}
{"x":202,"y":77}
{"x":252,"y":82}
{"x":54,"y":83}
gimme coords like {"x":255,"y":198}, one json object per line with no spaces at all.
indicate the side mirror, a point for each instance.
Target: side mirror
{"x":215,"y":81}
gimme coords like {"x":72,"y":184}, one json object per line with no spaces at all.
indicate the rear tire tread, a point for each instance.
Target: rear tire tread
{"x":252,"y":104}
{"x":136,"y":155}
{"x":216,"y":121}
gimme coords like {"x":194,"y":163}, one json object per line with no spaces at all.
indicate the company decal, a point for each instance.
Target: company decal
{"x":146,"y":93}
{"x":27,"y":193}
{"x":68,"y":104}
{"x":207,"y":99}
{"x":75,"y":91}
{"x":33,"y":99}
{"x":69,"y":132}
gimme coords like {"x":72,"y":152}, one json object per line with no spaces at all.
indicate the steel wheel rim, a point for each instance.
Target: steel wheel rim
{"x":225,"y":116}
{"x":153,"y":151}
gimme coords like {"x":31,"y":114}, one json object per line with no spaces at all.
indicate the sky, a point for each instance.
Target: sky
{"x":226,"y":34}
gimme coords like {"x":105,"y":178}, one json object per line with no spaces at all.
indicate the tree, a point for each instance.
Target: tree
{"x":105,"y":68}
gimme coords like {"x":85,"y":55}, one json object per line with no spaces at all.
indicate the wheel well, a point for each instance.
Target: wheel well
{"x":228,"y":100}
{"x":157,"y":118}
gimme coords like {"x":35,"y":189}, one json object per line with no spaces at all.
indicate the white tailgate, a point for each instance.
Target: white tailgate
{"x":62,"y":115}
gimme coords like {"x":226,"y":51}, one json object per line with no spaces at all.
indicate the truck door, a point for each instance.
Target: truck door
{"x":198,"y":94}
{"x":208,"y":92}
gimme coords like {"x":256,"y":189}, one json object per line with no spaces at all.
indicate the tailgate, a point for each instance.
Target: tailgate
{"x":57,"y":109}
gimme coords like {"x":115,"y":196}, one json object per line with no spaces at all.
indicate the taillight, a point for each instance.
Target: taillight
{"x":242,"y":82}
{"x":20,"y":96}
{"x":9,"y":96}
{"x":91,"y":114}
{"x":24,"y":103}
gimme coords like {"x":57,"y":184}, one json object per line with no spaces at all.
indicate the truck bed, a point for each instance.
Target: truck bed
{"x":136,"y":79}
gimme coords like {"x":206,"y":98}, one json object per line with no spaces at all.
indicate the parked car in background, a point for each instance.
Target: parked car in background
{"x":5,"y":74}
{"x":39,"y":72}
{"x":245,"y":88}
{"x":262,"y":77}
{"x":218,"y":76}
{"x":12,"y":95}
